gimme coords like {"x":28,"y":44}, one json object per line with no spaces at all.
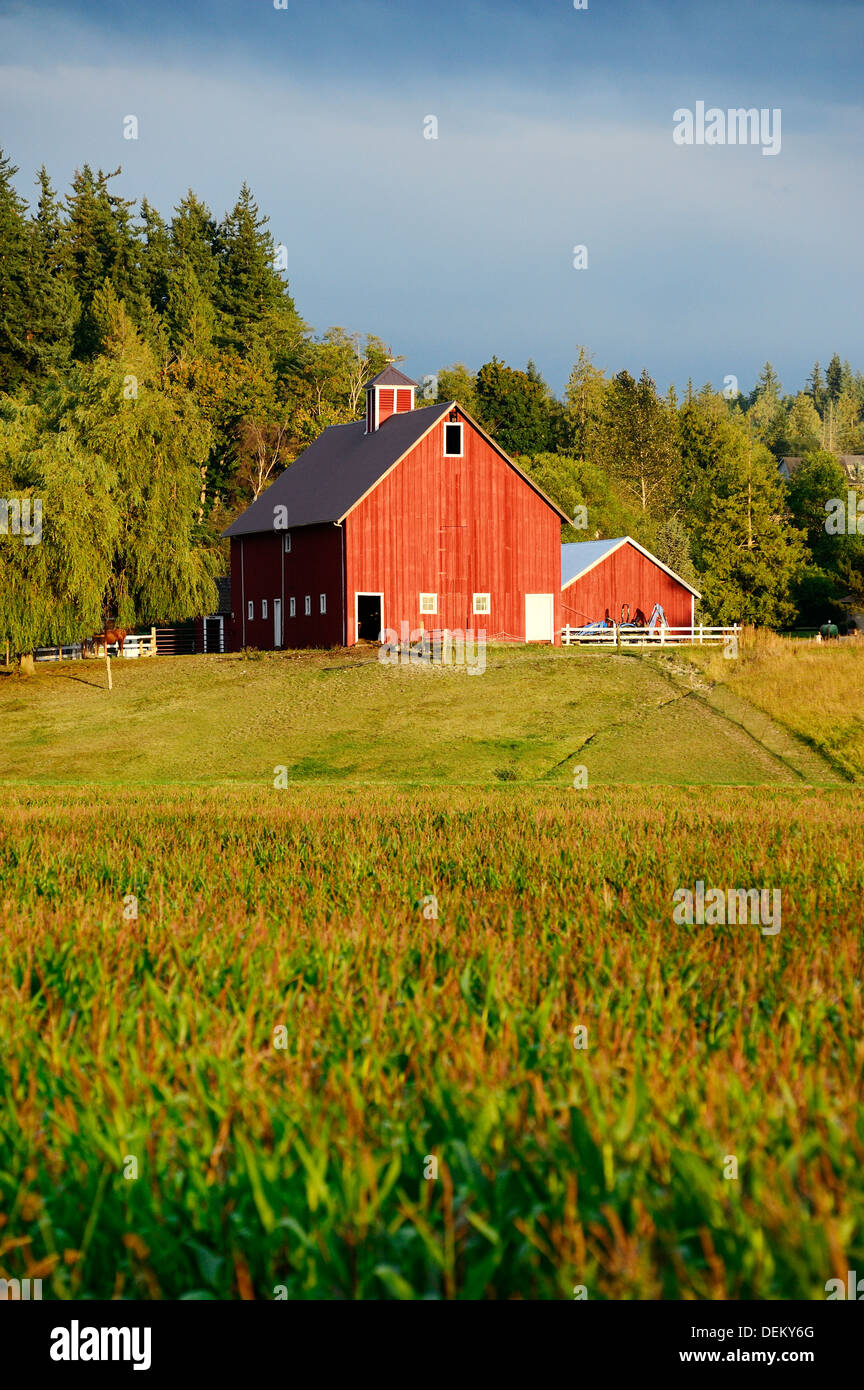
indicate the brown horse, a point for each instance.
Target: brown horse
{"x":108,"y":638}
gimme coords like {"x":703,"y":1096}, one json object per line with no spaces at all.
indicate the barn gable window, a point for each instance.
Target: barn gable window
{"x":287,"y":542}
{"x":323,"y":603}
{"x":292,"y":608}
{"x":453,"y":441}
{"x":263,"y":608}
{"x":481,"y":603}
{"x":251,"y":610}
{"x":307,"y":605}
{"x":428,"y":603}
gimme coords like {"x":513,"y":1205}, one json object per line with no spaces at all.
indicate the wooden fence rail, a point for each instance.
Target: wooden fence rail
{"x":136,"y":644}
{"x":638,"y":637}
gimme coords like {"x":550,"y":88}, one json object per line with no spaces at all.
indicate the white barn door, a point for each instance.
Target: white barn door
{"x":539,"y":617}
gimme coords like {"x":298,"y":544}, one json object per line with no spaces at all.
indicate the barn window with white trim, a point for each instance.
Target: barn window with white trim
{"x":453,"y":441}
{"x":428,"y":603}
{"x":482,"y":603}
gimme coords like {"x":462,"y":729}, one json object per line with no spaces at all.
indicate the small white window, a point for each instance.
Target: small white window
{"x":323,"y":603}
{"x":287,"y":542}
{"x":307,"y":605}
{"x":481,"y":603}
{"x":428,"y":603}
{"x":263,"y":608}
{"x":453,"y":441}
{"x":292,"y":608}
{"x":251,"y":610}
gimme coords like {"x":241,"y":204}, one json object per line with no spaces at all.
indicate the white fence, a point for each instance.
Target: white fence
{"x":135,"y":644}
{"x":616,"y":635}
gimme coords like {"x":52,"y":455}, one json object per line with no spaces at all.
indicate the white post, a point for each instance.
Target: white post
{"x":700,"y":635}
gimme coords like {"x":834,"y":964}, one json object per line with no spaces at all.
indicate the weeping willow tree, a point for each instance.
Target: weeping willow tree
{"x":113,"y":454}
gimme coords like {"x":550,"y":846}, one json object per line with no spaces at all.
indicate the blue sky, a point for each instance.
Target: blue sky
{"x":555,"y":129}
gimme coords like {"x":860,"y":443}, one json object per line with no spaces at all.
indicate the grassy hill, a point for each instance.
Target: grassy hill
{"x":344,"y":717}
{"x":814,"y":690}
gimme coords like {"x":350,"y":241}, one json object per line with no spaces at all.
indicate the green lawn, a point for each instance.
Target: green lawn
{"x":344,"y":717}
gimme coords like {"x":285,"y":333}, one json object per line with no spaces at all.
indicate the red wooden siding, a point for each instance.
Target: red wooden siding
{"x":454,"y":527}
{"x":260,"y":569}
{"x":625,"y":576}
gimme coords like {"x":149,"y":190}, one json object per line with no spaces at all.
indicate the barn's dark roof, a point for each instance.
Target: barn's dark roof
{"x":391,"y":376}
{"x":331,"y":476}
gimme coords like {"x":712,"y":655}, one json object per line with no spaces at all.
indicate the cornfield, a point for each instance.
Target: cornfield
{"x":433,"y":1044}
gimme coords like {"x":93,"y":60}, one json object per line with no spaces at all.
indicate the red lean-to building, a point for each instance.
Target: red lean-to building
{"x":616,"y":579}
{"x":407,"y":516}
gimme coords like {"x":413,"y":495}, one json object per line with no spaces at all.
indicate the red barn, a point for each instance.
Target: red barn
{"x":612,"y":579}
{"x":408,"y":516}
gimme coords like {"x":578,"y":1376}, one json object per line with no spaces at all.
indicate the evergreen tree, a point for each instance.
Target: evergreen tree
{"x":54,"y":306}
{"x":704,"y":432}
{"x":803,"y":425}
{"x":672,"y":545}
{"x":157,"y":257}
{"x":816,"y":388}
{"x":849,"y":431}
{"x":834,"y":378}
{"x":768,"y":383}
{"x":188,"y":314}
{"x":831,"y":560}
{"x":751,"y":556}
{"x":102,"y":243}
{"x":250,"y":293}
{"x":16,"y":353}
{"x":584,"y":396}
{"x":194,"y":239}
{"x":766,"y":414}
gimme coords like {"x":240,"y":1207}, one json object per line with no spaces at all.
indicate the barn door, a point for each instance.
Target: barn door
{"x":539,"y":617}
{"x":277,"y":622}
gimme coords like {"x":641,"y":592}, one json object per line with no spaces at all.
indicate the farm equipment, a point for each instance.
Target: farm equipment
{"x":652,"y":626}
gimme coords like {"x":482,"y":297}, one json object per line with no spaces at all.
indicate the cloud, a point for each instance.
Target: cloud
{"x":703,"y":260}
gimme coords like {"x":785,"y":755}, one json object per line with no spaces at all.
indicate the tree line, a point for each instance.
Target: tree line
{"x":156,"y":375}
